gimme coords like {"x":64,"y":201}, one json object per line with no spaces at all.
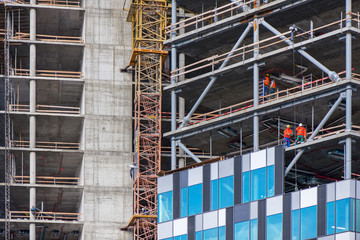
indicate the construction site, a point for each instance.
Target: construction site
{"x":113,"y":110}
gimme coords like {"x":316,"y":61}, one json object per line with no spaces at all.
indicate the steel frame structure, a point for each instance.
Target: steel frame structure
{"x":178,"y":134}
{"x":149,"y":21}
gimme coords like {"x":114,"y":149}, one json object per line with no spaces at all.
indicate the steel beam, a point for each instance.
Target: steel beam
{"x":213,"y":79}
{"x":188,"y":152}
{"x":318,"y":128}
{"x":332,"y":75}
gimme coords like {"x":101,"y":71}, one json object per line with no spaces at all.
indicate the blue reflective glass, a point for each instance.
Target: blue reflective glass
{"x":226,"y":192}
{"x":195,"y":199}
{"x":198,"y":235}
{"x":183,"y":202}
{"x":330,"y":218}
{"x":167,"y":239}
{"x":214,"y":194}
{"x":222,"y":233}
{"x":211,"y":234}
{"x":357,"y":215}
{"x":241,"y":231}
{"x":254,"y":229}
{"x":308,"y":224}
{"x":165,"y":205}
{"x":246,"y":187}
{"x":182,"y":237}
{"x":295,"y":225}
{"x":274,"y":227}
{"x":270,"y":181}
{"x":258,"y":184}
{"x":345,"y":215}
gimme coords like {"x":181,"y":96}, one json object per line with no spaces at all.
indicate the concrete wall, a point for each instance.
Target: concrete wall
{"x":108,"y":121}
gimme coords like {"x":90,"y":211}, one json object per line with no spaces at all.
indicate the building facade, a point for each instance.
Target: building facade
{"x":242,"y":198}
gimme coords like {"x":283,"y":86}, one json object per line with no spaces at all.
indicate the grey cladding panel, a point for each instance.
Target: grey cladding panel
{"x":279,"y":170}
{"x":183,"y":179}
{"x":237,"y":180}
{"x":287,"y":216}
{"x":321,"y":228}
{"x":176,"y":196}
{"x":206,"y":188}
{"x":229,"y":224}
{"x":226,"y":168}
{"x":242,"y":213}
{"x":262,"y":219}
{"x":191,"y":228}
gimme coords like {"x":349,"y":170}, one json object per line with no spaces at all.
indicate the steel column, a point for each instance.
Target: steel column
{"x":318,"y":128}
{"x":256,"y":86}
{"x":332,"y":75}
{"x":213,"y":79}
{"x":173,"y":81}
{"x":348,"y":121}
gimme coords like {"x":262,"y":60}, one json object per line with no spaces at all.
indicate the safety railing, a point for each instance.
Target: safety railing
{"x":196,"y":151}
{"x":47,"y":73}
{"x":47,"y":180}
{"x":267,"y":45}
{"x":43,"y":144}
{"x":47,"y":38}
{"x":66,"y":3}
{"x":51,"y":216}
{"x":45,"y":109}
{"x":12,"y":1}
{"x":220,"y":13}
{"x":265,"y":99}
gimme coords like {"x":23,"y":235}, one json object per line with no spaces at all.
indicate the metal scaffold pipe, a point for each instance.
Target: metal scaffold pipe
{"x":173,"y":81}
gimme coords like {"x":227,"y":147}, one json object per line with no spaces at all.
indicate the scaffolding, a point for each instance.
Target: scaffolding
{"x":149,"y":22}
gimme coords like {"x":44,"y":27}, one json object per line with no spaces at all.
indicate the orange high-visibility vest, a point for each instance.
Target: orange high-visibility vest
{"x":272,"y":84}
{"x":301,"y":131}
{"x":288,"y":133}
{"x":267,"y":81}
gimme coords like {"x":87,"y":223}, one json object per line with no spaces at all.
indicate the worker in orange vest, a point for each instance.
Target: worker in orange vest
{"x":287,"y":135}
{"x":266,"y":86}
{"x":272,"y":86}
{"x":301,"y":134}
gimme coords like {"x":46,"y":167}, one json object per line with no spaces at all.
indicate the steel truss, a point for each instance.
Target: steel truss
{"x":149,"y":21}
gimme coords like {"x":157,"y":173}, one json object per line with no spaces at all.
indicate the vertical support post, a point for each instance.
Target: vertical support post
{"x":256,"y":86}
{"x":312,"y":116}
{"x":173,"y":81}
{"x":348,"y":120}
{"x":32,"y":137}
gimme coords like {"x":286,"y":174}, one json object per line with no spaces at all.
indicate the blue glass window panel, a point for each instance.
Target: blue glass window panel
{"x":274,"y":227}
{"x":198,"y":235}
{"x":270,"y":181}
{"x":308,"y":224}
{"x":195,"y":199}
{"x":222,"y":233}
{"x":211,"y":234}
{"x":214,"y":194}
{"x":330,"y":218}
{"x":182,"y":237}
{"x":246,"y":187}
{"x":345,"y":215}
{"x":242,"y":231}
{"x":184,"y":202}
{"x":226,"y":192}
{"x":165,"y":206}
{"x":258,"y":184}
{"x":357,"y":215}
{"x":254,"y":229}
{"x":295,"y":225}
{"x":167,"y":239}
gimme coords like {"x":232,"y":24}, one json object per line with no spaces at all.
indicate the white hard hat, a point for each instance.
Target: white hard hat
{"x":300,"y":125}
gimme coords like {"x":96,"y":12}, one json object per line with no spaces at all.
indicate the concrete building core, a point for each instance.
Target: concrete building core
{"x":70,"y":119}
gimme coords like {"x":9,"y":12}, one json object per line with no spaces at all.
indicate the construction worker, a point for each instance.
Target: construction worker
{"x":287,"y":135}
{"x":266,"y":84}
{"x":272,"y":86}
{"x":301,"y":134}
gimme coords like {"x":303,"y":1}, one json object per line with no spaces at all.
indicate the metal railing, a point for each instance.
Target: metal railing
{"x":47,"y":180}
{"x":45,"y":109}
{"x":266,"y":99}
{"x":51,"y":216}
{"x":43,"y":144}
{"x":47,"y":73}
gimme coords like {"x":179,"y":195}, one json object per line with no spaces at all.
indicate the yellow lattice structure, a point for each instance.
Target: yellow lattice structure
{"x":149,"y":22}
